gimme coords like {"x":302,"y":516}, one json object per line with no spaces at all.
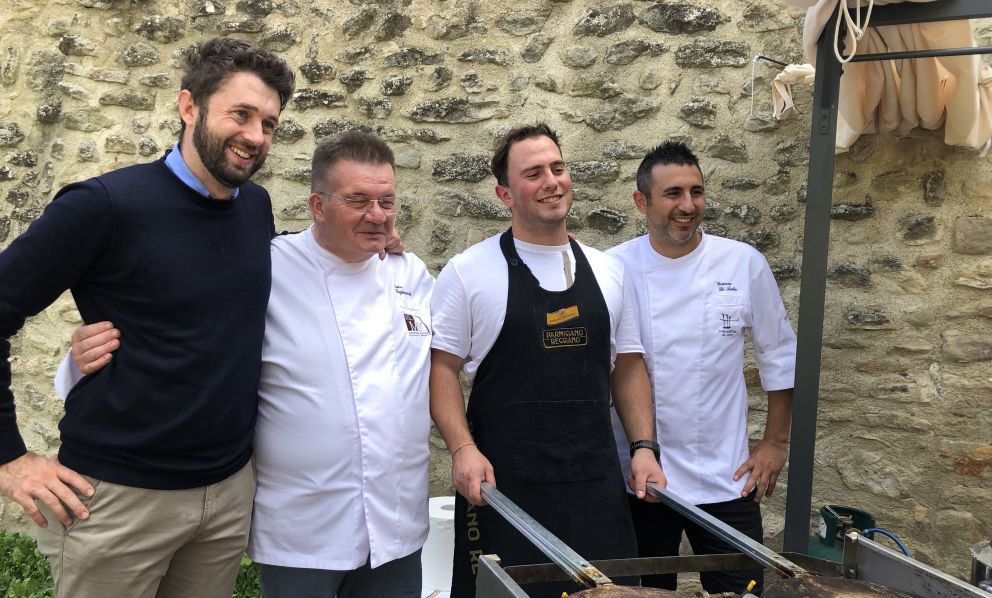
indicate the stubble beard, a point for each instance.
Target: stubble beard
{"x":212,"y":151}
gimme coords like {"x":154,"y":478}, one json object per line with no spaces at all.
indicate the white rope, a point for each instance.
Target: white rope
{"x":753,"y":63}
{"x":855,"y":27}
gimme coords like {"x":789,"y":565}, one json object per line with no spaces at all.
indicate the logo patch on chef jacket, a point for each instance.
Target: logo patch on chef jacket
{"x":565,"y":337}
{"x":563,"y":315}
{"x":727,"y":326}
{"x":415,"y":325}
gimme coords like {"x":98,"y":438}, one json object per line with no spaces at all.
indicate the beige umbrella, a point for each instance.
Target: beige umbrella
{"x":898,"y":95}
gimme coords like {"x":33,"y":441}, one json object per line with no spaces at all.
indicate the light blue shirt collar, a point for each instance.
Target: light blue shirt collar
{"x":174,"y":162}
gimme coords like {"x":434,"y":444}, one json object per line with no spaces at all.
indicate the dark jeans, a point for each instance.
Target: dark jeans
{"x":659,"y":533}
{"x":396,"y":579}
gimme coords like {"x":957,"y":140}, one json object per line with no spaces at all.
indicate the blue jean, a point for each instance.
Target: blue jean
{"x":396,"y":579}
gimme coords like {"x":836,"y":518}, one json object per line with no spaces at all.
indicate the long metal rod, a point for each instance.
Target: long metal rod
{"x":812,"y":292}
{"x":759,"y":552}
{"x":905,"y":13}
{"x":560,"y":554}
{"x":922,"y":54}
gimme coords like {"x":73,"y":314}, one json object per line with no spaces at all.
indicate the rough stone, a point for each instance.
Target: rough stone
{"x":10,"y":67}
{"x":595,"y":85}
{"x":725,"y":147}
{"x":18,"y":196}
{"x":982,"y":307}
{"x":407,"y":155}
{"x":6,"y":174}
{"x":44,"y":70}
{"x":280,"y":39}
{"x":761,"y":239}
{"x":579,"y":57}
{"x":535,"y":47}
{"x":10,"y":134}
{"x":627,"y":51}
{"x":496,"y":56}
{"x":930,"y":260}
{"x":972,"y":235}
{"x":354,"y":54}
{"x":868,"y":318}
{"x":396,"y":85}
{"x":115,"y":144}
{"x":354,"y":78}
{"x":849,"y":275}
{"x":650,"y":79}
{"x":547,"y":83}
{"x":333,"y":126}
{"x":377,"y":108}
{"x":783,"y":213}
{"x":440,"y":239}
{"x":966,"y":348}
{"x":893,"y":184}
{"x":622,"y":150}
{"x":135,"y":100}
{"x":249,"y":25}
{"x":138,"y":54}
{"x":522,"y":22}
{"x":852,"y":211}
{"x":460,"y":167}
{"x":77,"y":92}
{"x":699,"y":112}
{"x":288,"y":131}
{"x":438,"y":79}
{"x":914,"y":227}
{"x":791,"y":152}
{"x":255,"y":8}
{"x":393,"y":25}
{"x":471,"y":82}
{"x":712,"y":53}
{"x":456,"y":203}
{"x":162,"y":29}
{"x":206,"y":8}
{"x":86,"y":120}
{"x":449,"y":110}
{"x":593,"y":171}
{"x":600,"y":22}
{"x":316,"y":71}
{"x":885,"y":263}
{"x":681,"y":18}
{"x":978,"y":277}
{"x":99,"y":74}
{"x":4,"y":228}
{"x":757,"y":124}
{"x":407,"y":57}
{"x":360,"y":22}
{"x":745,"y":213}
{"x":625,"y":110}
{"x":606,"y":220}
{"x":147,"y":146}
{"x":161,"y":80}
{"x":761,"y":17}
{"x":785,"y":271}
{"x":934,"y":187}
{"x":24,"y":158}
{"x":307,"y":98}
{"x":74,"y":45}
{"x":778,"y":183}
{"x":705,"y":84}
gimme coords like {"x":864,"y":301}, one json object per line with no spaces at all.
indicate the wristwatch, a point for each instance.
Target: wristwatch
{"x":649,"y":444}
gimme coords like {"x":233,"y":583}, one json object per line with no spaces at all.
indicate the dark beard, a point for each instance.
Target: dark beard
{"x":212,"y":154}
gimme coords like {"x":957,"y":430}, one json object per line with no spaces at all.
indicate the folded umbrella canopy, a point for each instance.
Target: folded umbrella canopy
{"x":897,"y":95}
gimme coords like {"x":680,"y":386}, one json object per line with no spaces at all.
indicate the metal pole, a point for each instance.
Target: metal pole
{"x":922,"y":54}
{"x":812,"y":291}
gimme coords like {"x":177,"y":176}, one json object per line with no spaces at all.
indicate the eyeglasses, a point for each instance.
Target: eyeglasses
{"x":362,"y":203}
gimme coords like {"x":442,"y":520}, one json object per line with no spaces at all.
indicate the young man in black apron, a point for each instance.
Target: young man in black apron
{"x":542,"y":327}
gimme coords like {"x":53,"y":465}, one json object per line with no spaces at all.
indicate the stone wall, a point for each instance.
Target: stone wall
{"x":89,"y":85}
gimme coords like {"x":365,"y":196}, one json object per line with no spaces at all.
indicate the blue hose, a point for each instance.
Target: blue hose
{"x":877,"y":530}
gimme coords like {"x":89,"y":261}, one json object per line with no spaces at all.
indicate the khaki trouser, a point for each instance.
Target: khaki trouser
{"x":140,"y":543}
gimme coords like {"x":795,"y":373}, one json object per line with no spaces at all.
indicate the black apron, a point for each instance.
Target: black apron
{"x":540,"y":412}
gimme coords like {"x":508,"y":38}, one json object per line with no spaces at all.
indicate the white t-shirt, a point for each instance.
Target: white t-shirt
{"x":341,"y":444}
{"x":693,"y":311}
{"x":469,"y":302}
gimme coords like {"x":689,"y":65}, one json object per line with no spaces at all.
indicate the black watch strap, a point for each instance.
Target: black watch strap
{"x":648,"y":444}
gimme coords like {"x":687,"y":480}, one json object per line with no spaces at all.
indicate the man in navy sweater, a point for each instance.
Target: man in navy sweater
{"x":152,"y":489}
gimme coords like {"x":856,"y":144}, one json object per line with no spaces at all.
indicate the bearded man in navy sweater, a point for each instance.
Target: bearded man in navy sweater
{"x":152,"y":489}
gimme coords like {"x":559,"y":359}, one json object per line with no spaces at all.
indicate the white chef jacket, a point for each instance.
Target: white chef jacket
{"x":693,"y":311}
{"x":341,"y":443}
{"x":469,"y":303}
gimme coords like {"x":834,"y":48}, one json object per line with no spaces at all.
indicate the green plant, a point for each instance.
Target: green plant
{"x":25,"y":573}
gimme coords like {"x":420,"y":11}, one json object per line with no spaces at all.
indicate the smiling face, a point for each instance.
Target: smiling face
{"x":227,"y":137}
{"x":351,"y":234}
{"x":538,"y":191}
{"x":674,"y":208}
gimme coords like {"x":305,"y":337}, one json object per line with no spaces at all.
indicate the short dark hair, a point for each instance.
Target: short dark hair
{"x":502,"y":156}
{"x":670,"y":152}
{"x":354,"y":145}
{"x":210,"y":64}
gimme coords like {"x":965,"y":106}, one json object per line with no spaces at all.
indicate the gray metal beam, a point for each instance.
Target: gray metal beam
{"x":921,"y":54}
{"x":819,"y":196}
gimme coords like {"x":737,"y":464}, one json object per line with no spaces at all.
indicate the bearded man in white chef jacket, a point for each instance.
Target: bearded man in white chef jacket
{"x":341,"y":441}
{"x":696,"y":294}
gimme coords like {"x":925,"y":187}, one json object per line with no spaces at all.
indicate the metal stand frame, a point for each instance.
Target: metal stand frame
{"x":819,"y":196}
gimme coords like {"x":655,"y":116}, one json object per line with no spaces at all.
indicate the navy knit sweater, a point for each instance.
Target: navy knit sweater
{"x":186,"y":280}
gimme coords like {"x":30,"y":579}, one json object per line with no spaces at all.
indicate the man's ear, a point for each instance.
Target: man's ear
{"x":504,"y":196}
{"x":187,"y":108}
{"x":316,"y":207}
{"x":641,"y":201}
